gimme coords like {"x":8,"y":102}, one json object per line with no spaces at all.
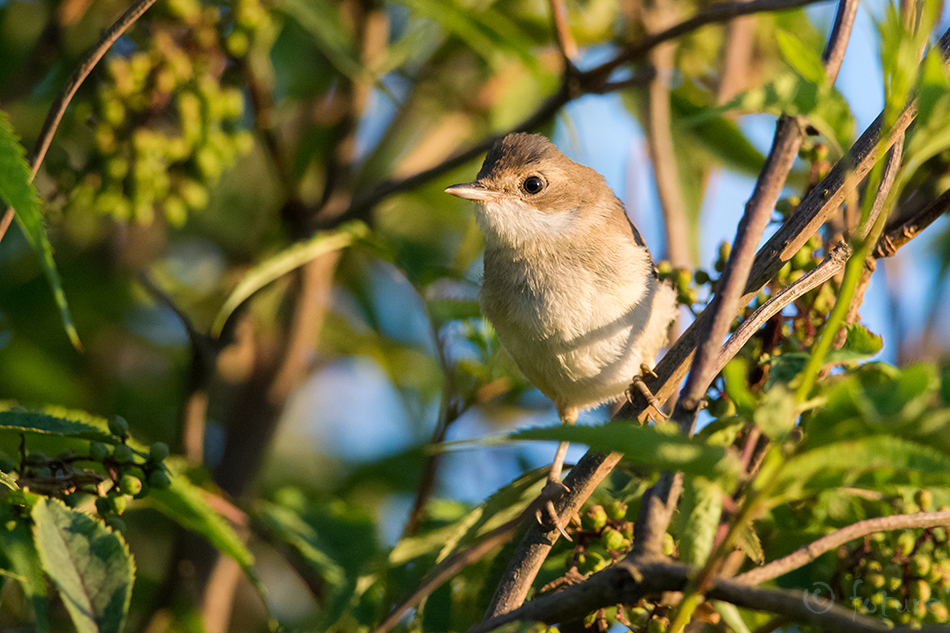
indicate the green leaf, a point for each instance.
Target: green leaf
{"x":17,"y":191}
{"x":500,"y":507}
{"x":336,"y":539}
{"x":700,"y":512}
{"x":803,"y":59}
{"x":838,"y":463}
{"x":889,"y":403}
{"x":90,"y":565}
{"x":490,"y":33}
{"x":860,"y":344}
{"x":735,"y":376}
{"x":719,"y":135}
{"x":777,"y":412}
{"x":731,"y":616}
{"x":187,"y":505}
{"x":750,"y":544}
{"x":46,"y":424}
{"x":642,"y":445}
{"x":8,"y":481}
{"x":285,"y":261}
{"x":16,"y":546}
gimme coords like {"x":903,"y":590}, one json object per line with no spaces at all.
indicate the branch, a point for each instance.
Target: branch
{"x":813,"y":550}
{"x":631,"y":579}
{"x":562,"y":33}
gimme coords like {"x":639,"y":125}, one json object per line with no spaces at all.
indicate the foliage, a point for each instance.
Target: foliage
{"x":244,"y":204}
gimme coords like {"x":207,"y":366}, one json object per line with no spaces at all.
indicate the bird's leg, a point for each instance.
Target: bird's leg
{"x":555,"y":487}
{"x":637,"y":382}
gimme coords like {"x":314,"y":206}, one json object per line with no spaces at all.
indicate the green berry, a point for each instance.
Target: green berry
{"x":130,"y":485}
{"x":98,"y":451}
{"x":924,"y":498}
{"x":103,"y":506}
{"x":158,"y":452}
{"x":613,"y":540}
{"x":118,"y":425}
{"x":595,"y":518}
{"x":159,"y":480}
{"x":123,"y":454}
{"x":617,"y":510}
{"x":118,"y":502}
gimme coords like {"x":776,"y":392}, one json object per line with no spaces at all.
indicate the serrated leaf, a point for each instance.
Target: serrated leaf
{"x":860,"y":344}
{"x":750,"y":544}
{"x":43,"y":423}
{"x":17,"y":547}
{"x":502,"y":506}
{"x":17,"y":191}
{"x":285,"y":261}
{"x":803,"y":59}
{"x":642,"y":445}
{"x":700,"y":512}
{"x":837,"y":463}
{"x":90,"y":565}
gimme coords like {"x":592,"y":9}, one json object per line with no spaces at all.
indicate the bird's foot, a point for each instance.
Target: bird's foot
{"x":638,"y":384}
{"x":551,"y":492}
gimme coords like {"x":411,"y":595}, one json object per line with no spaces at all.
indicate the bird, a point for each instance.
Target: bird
{"x":569,"y":284}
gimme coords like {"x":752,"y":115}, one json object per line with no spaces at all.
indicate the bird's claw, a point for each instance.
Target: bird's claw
{"x":643,"y":389}
{"x":551,"y":491}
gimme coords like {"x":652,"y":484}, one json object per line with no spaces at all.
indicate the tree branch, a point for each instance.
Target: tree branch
{"x":633,"y":578}
{"x":813,"y":550}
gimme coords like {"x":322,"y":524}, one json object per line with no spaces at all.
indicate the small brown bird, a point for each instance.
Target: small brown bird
{"x":569,"y":284}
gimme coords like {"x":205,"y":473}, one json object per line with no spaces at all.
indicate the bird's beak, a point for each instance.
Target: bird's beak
{"x":473,"y":191}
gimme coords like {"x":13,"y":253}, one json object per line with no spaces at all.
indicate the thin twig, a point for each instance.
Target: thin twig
{"x":813,"y":550}
{"x":58,"y":109}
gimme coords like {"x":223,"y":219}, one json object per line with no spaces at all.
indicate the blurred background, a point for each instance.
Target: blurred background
{"x":216,"y":136}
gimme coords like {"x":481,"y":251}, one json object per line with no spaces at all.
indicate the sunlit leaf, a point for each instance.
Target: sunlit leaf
{"x":642,"y":445}
{"x":841,"y":462}
{"x":17,"y":191}
{"x":800,"y":57}
{"x":699,"y":512}
{"x":285,"y":261}
{"x":90,"y":565}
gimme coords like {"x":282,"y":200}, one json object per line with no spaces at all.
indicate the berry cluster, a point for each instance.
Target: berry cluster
{"x":129,"y":473}
{"x":605,"y":536}
{"x":165,"y":123}
{"x":902,"y":576}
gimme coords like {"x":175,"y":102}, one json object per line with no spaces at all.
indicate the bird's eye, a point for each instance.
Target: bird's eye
{"x":532,"y":185}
